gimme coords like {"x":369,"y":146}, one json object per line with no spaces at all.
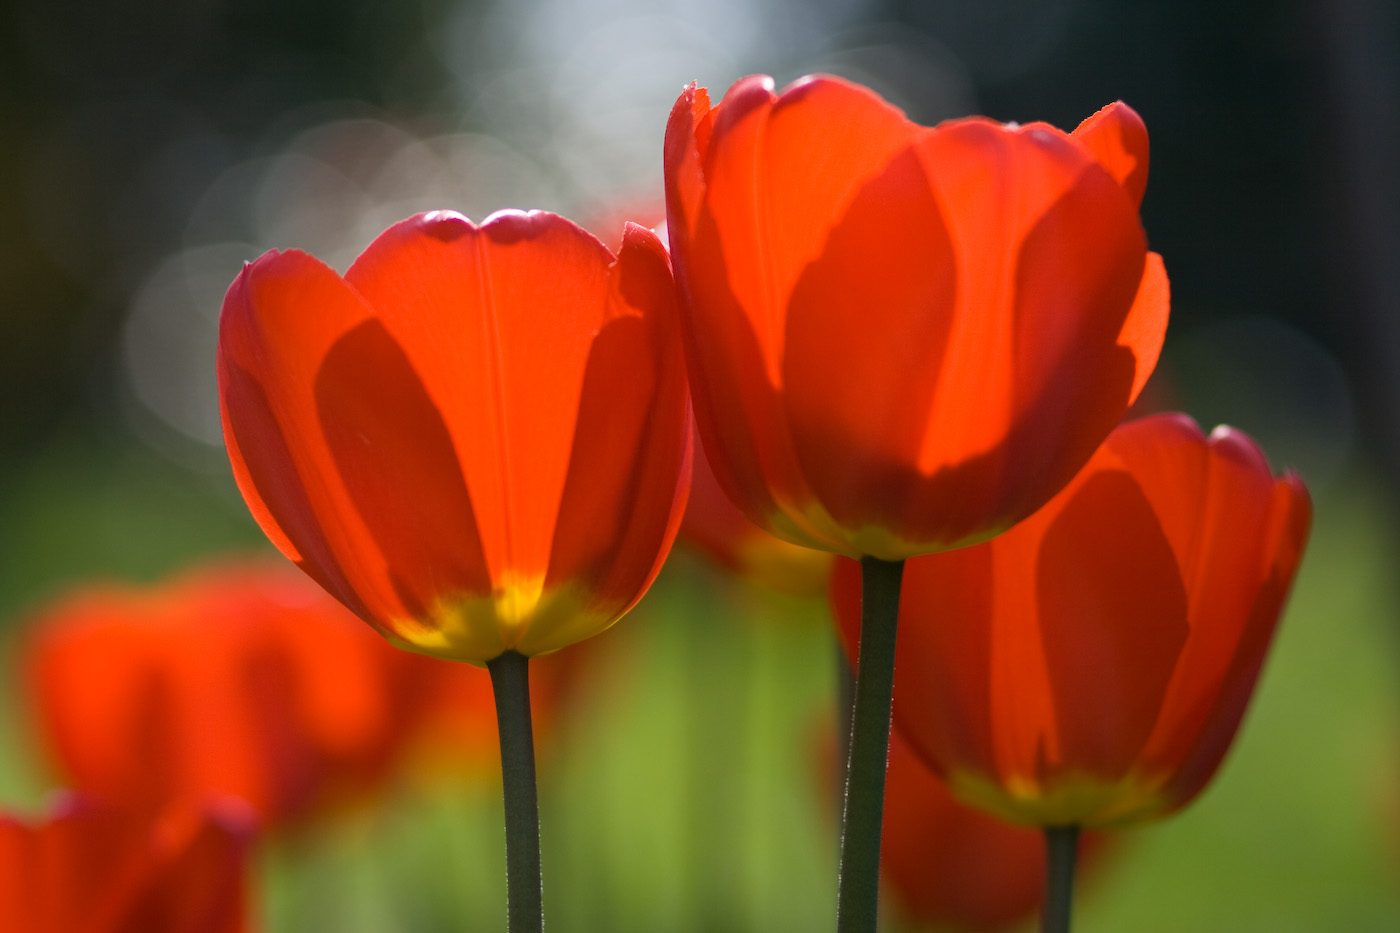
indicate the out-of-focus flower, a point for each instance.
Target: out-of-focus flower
{"x":240,"y":680}
{"x":950,"y":866}
{"x":478,"y":439}
{"x":1091,"y":666}
{"x":902,"y":339}
{"x":714,"y":525}
{"x":90,"y":868}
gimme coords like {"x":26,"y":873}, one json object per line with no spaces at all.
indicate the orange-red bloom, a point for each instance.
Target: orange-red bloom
{"x":903,"y":339}
{"x":1091,"y":666}
{"x":246,"y":681}
{"x":88,"y":868}
{"x":478,"y":439}
{"x":951,"y":866}
{"x":715,"y":526}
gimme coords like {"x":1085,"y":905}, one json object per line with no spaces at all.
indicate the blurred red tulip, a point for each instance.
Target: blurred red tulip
{"x":715,"y":526}
{"x":88,"y":868}
{"x":953,"y":867}
{"x":901,"y":339}
{"x":1091,"y":666}
{"x":244,"y":680}
{"x":478,"y":439}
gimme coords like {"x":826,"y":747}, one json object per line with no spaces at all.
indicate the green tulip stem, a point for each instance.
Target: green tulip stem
{"x":858,"y":900}
{"x":1061,"y":852}
{"x":510,"y":683}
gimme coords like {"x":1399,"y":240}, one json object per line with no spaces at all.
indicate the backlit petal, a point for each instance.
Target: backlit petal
{"x":1118,"y":139}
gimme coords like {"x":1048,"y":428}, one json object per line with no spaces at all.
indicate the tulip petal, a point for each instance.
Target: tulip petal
{"x":280,"y":317}
{"x":1024,"y":375}
{"x":507,"y":380}
{"x":777,"y":173}
{"x":1113,"y":622}
{"x":1226,"y":487}
{"x":876,"y":307}
{"x":622,"y":501}
{"x":1146,"y":327}
{"x":1290,"y":521}
{"x":396,"y":458}
{"x":1117,"y":137}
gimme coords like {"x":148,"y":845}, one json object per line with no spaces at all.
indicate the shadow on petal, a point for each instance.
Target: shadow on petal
{"x":1113,"y":619}
{"x":395,"y":456}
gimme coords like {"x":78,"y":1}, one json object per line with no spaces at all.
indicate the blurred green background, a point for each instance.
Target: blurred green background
{"x":147,"y":147}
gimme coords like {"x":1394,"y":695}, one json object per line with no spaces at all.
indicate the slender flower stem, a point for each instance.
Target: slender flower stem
{"x":859,"y":898}
{"x":1061,"y":852}
{"x":510,"y":682}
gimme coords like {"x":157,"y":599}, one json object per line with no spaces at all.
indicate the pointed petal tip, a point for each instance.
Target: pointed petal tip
{"x":1183,"y":422}
{"x":821,"y":83}
{"x":1298,"y":494}
{"x":513,"y":224}
{"x":1116,"y":109}
{"x":1231,"y":442}
{"x":445,"y":225}
{"x":748,"y":92}
{"x":1117,"y":137}
{"x":637,"y":236}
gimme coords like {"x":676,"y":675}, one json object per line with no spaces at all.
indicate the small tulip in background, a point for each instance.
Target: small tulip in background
{"x":902,"y":340}
{"x":949,"y":866}
{"x":478,"y":439}
{"x":714,"y":525}
{"x":1090,"y":667}
{"x":88,"y":867}
{"x":241,"y":680}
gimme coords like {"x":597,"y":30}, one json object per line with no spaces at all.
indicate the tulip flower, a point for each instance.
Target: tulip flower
{"x":902,"y":340}
{"x":721,"y":531}
{"x":90,"y":868}
{"x":242,"y":680}
{"x":1089,"y":668}
{"x":478,"y":439}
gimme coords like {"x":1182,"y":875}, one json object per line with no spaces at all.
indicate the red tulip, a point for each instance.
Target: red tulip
{"x":951,"y":866}
{"x":1091,"y":666}
{"x":901,"y":339}
{"x":478,"y":439}
{"x":246,"y":681}
{"x":716,"y":527}
{"x":92,"y":869}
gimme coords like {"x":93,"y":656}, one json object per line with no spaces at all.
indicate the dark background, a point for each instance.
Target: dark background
{"x":1273,"y":188}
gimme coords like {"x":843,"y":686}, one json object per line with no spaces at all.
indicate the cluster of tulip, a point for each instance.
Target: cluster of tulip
{"x":191,"y":719}
{"x":908,"y":347}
